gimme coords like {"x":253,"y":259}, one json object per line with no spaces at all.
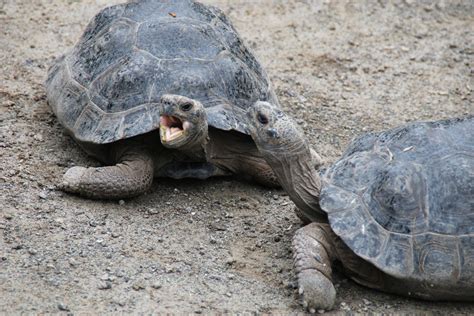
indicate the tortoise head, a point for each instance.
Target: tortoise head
{"x":274,"y":132}
{"x":284,"y":147}
{"x":183,"y":122}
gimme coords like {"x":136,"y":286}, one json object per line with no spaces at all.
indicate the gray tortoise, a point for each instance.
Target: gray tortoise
{"x":158,"y":88}
{"x":397,"y":210}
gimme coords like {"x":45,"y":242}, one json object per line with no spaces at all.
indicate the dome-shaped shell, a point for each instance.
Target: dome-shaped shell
{"x":109,"y":85}
{"x":404,"y":200}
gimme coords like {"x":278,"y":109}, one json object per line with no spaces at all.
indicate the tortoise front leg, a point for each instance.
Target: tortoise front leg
{"x":131,"y":176}
{"x":257,"y":169}
{"x":313,"y":255}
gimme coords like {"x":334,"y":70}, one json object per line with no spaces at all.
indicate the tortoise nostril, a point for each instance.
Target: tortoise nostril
{"x":272,"y":133}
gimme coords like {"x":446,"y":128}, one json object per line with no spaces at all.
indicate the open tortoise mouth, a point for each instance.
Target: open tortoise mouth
{"x":172,"y":128}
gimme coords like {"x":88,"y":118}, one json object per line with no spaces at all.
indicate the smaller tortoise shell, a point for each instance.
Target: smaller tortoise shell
{"x":108,"y":87}
{"x":403,"y":200}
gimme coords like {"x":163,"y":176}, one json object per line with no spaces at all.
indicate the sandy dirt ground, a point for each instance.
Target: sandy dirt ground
{"x":219,"y":245}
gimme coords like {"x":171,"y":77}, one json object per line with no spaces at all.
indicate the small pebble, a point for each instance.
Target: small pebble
{"x":153,"y":211}
{"x":121,"y":202}
{"x":72,"y":262}
{"x":138,"y":286}
{"x":63,"y":307}
{"x":38,"y":137}
{"x":105,"y":277}
{"x":104,"y":285}
{"x":119,"y":301}
{"x":156,"y":285}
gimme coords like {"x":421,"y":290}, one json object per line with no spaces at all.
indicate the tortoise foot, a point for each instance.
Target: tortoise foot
{"x":313,"y":247}
{"x":72,"y":179}
{"x":317,"y":292}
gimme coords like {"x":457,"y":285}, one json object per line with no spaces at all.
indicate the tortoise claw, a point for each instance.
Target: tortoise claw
{"x":316,"y":290}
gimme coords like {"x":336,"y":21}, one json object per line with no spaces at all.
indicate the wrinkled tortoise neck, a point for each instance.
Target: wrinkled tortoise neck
{"x":197,"y":142}
{"x":296,"y":172}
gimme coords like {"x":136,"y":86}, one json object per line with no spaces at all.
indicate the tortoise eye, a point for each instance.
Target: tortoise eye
{"x":186,"y":106}
{"x":262,"y":118}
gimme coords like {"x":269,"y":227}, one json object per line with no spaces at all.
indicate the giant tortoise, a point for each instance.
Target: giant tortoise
{"x":397,"y":210}
{"x":158,"y":88}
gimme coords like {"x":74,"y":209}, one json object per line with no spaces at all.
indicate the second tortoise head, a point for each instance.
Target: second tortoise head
{"x":274,"y":131}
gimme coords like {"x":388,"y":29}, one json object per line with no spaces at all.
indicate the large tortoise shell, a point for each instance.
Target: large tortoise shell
{"x":109,"y":85}
{"x":403,"y":200}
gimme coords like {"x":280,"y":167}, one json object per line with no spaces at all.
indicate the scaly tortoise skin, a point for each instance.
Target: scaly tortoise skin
{"x":134,"y":60}
{"x":397,"y":209}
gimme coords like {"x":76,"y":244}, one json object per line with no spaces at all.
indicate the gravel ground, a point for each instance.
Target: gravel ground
{"x":218,"y":245}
